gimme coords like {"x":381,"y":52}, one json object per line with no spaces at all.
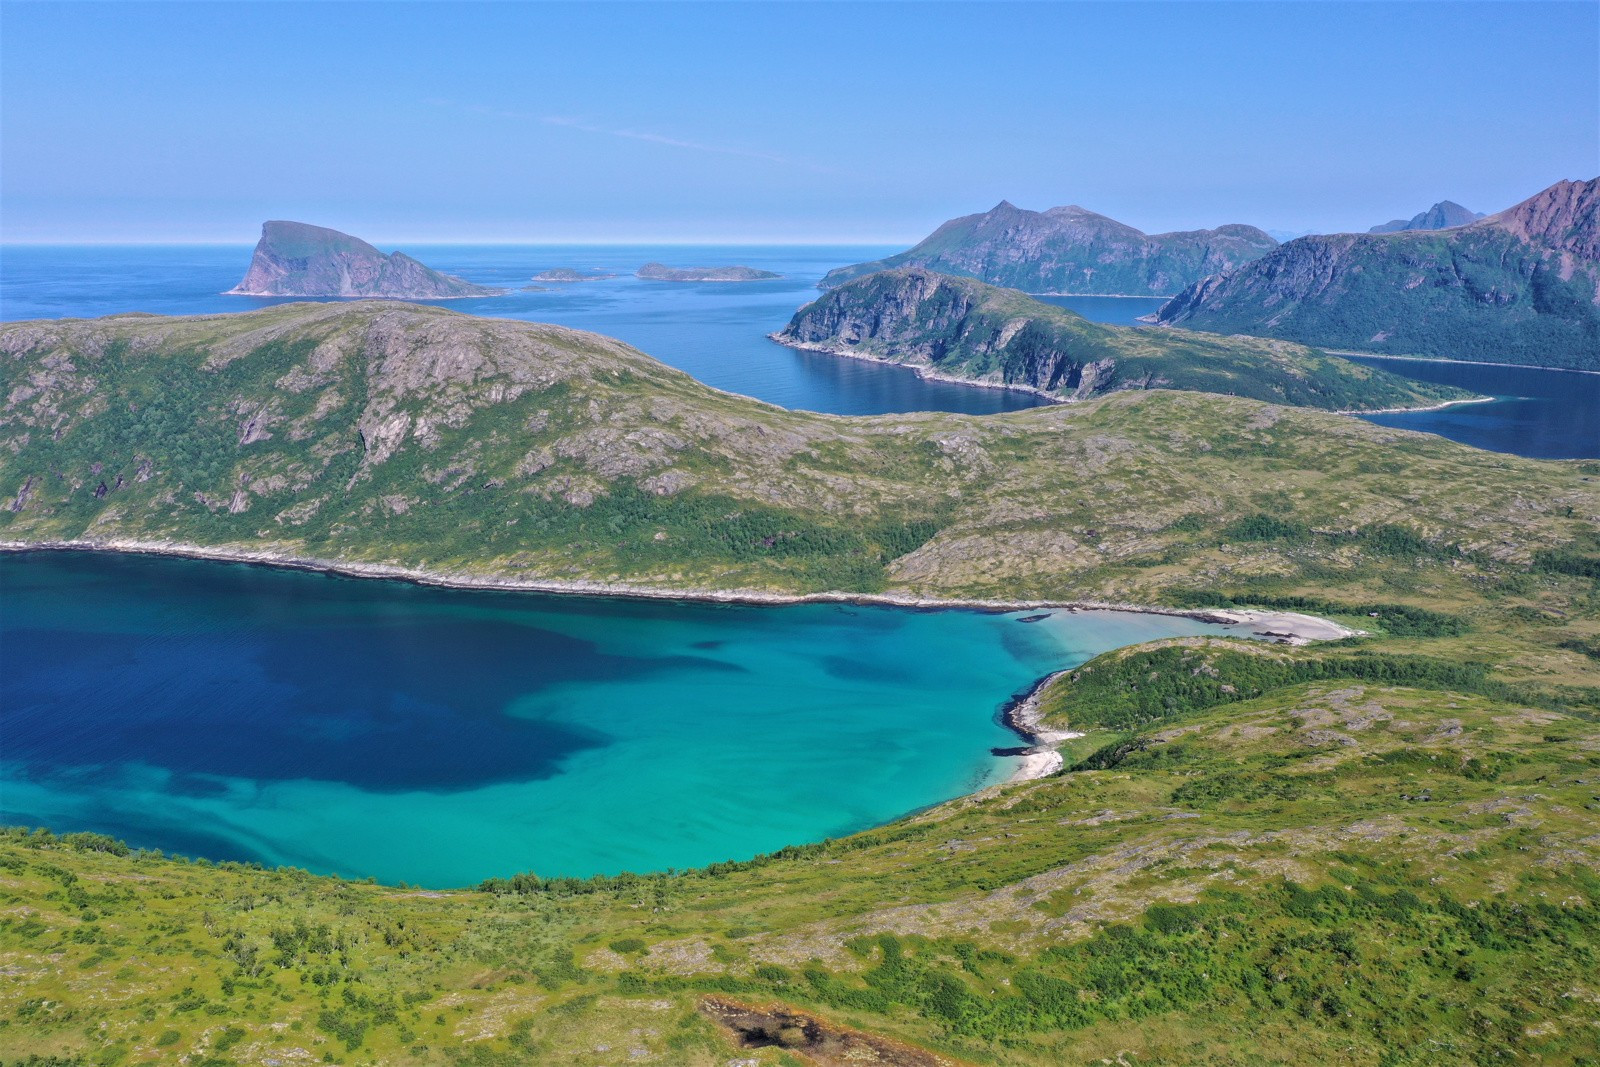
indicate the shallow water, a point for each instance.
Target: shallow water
{"x":443,"y":736}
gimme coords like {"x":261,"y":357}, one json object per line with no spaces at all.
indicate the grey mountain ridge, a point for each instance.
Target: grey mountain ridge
{"x":1445,"y":215}
{"x":1070,"y":250}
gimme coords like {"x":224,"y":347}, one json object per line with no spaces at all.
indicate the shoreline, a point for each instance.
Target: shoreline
{"x":928,"y":374}
{"x":1321,"y":629}
{"x":1021,"y":716}
{"x":1464,"y":362}
{"x":1431,"y":407}
{"x":925,"y":373}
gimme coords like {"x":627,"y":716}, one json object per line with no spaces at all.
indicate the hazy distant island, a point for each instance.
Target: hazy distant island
{"x":567,"y":274}
{"x":660,"y":272}
{"x":1071,"y":250}
{"x":1518,"y":287}
{"x":298,"y":259}
{"x":1445,"y":215}
{"x":963,"y":330}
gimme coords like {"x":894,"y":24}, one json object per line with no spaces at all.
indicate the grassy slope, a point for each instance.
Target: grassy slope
{"x":1375,"y":853}
{"x":966,"y":329}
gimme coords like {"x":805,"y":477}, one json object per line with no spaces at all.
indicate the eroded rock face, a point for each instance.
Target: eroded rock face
{"x":963,"y":329}
{"x":1071,"y":250}
{"x":1522,"y":286}
{"x":297,"y":259}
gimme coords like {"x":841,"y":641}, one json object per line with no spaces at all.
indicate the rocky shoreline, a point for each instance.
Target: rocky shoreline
{"x":928,"y":374}
{"x":1021,"y":715}
{"x":925,"y":373}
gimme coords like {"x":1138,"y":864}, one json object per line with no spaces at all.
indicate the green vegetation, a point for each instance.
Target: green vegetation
{"x":1473,"y":294}
{"x":1376,"y":851}
{"x":966,"y":329}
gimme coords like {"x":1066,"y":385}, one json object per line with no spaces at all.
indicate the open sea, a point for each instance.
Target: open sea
{"x":441,"y":737}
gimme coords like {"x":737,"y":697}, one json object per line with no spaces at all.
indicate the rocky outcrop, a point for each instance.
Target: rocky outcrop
{"x":1445,"y":215}
{"x":965,"y":330}
{"x":660,"y":272}
{"x":567,"y":274}
{"x":297,"y":259}
{"x":1522,"y":286}
{"x":1071,"y":250}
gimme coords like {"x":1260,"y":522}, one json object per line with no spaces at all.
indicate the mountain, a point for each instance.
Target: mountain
{"x":1445,"y":215}
{"x":1070,"y":250}
{"x":963,"y":329}
{"x":1380,"y":849}
{"x":660,"y":272}
{"x":298,"y":259}
{"x":1522,"y":286}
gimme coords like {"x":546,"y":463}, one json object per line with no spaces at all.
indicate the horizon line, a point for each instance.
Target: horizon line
{"x":440,"y":242}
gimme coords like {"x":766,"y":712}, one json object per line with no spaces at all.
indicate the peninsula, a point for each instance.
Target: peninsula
{"x":963,"y":330}
{"x":1069,"y":250}
{"x":298,"y":259}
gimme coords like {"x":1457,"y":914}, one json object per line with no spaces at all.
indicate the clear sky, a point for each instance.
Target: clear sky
{"x":776,"y":121}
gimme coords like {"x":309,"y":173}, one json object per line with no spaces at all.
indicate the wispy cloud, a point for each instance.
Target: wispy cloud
{"x":586,"y":126}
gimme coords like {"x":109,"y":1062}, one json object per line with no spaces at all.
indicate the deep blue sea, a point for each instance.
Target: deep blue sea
{"x":717,"y":331}
{"x":440,"y":737}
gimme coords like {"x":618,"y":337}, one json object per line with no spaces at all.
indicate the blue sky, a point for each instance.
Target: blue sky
{"x":773,"y":122}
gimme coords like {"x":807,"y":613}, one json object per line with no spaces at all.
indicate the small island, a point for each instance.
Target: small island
{"x":660,"y":272}
{"x":298,"y":259}
{"x":567,"y":274}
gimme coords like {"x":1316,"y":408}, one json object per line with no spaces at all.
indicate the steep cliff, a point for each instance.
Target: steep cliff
{"x":1522,"y":286}
{"x":1071,"y":250}
{"x":963,"y":329}
{"x":297,"y":259}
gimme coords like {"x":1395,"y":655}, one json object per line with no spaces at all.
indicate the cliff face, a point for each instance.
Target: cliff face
{"x":1522,"y":286}
{"x":297,"y":259}
{"x":1445,"y":215}
{"x":1071,"y":250}
{"x":964,"y":329}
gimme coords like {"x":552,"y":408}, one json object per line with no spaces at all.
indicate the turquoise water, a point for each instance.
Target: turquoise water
{"x":440,"y":737}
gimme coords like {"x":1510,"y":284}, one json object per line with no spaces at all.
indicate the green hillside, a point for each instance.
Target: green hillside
{"x":1378,"y":851}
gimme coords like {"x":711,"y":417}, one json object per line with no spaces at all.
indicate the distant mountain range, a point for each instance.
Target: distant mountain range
{"x":964,"y":330}
{"x":1445,"y":215}
{"x":1071,"y":250}
{"x":298,"y":259}
{"x":1522,"y":286}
